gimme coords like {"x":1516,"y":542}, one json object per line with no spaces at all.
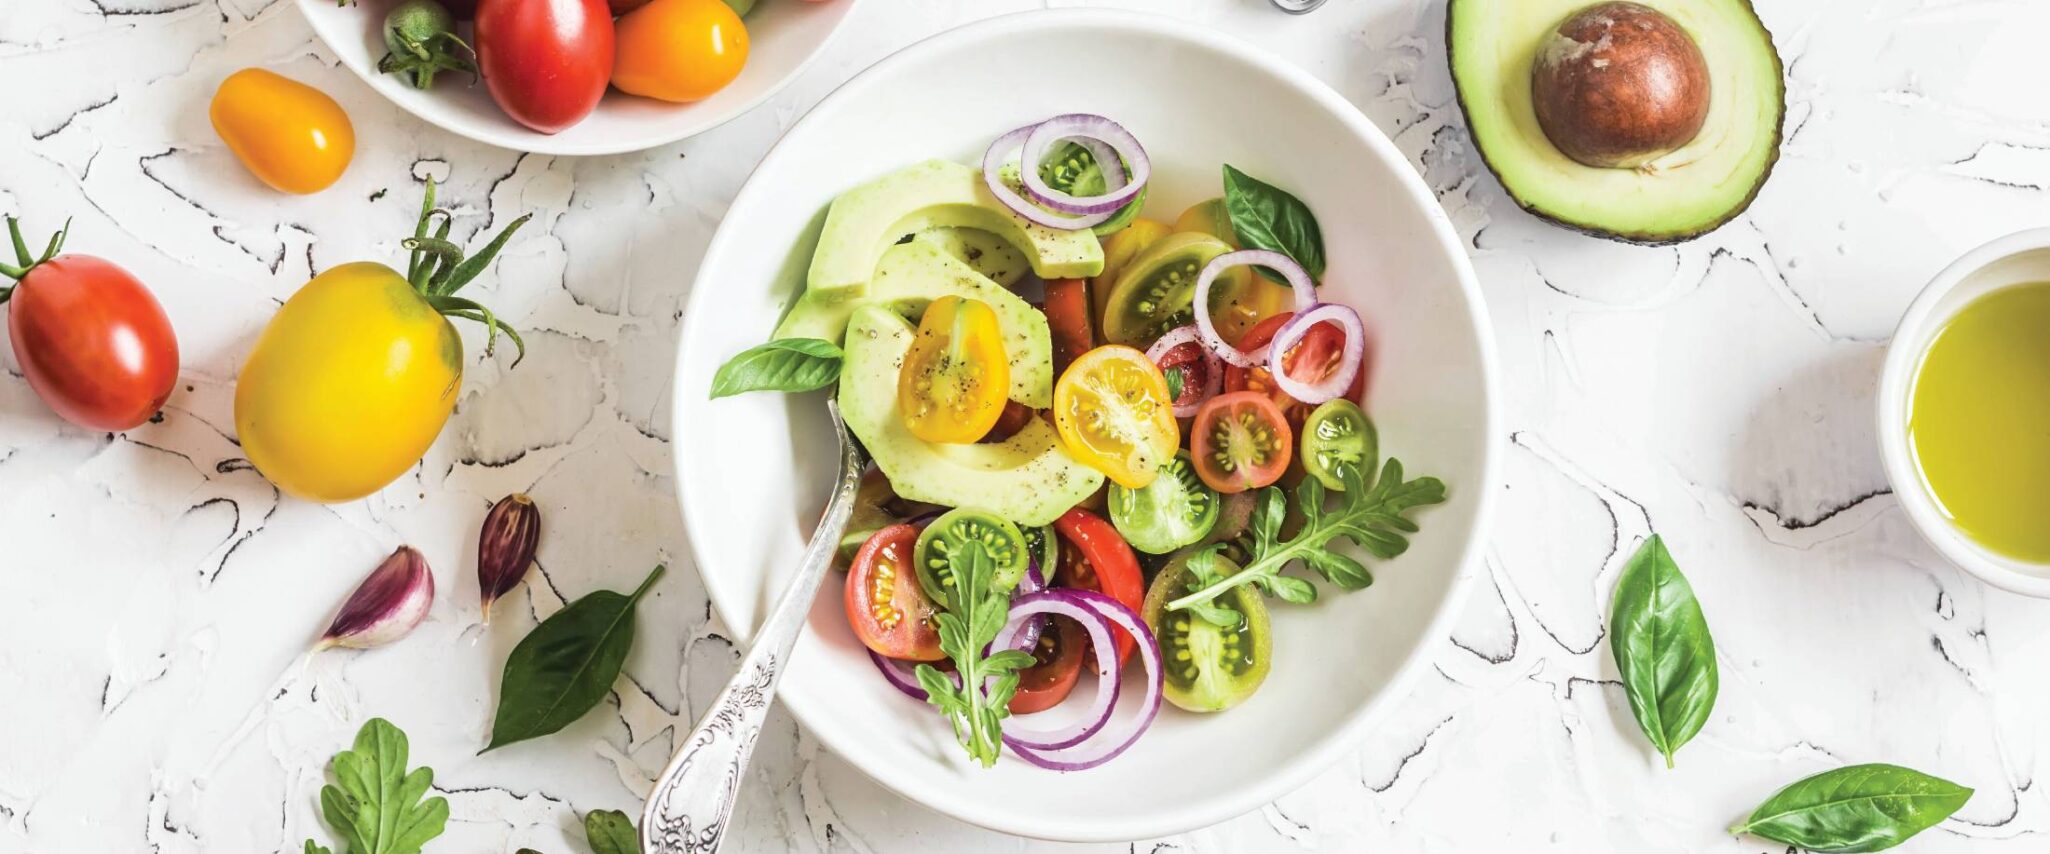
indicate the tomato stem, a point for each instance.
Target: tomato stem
{"x":437,"y":269}
{"x":29,"y":262}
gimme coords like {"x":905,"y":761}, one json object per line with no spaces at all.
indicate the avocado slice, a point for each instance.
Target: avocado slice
{"x":1494,"y":47}
{"x":866,"y":221}
{"x":1029,"y":479}
{"x":990,"y":255}
{"x":909,"y":278}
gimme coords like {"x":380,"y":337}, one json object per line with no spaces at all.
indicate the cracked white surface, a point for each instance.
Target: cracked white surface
{"x":155,"y":594}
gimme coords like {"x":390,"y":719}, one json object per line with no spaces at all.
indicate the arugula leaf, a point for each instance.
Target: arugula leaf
{"x":1858,"y":808}
{"x":974,"y":615}
{"x":566,"y":665}
{"x":611,"y":832}
{"x":374,"y":804}
{"x":312,"y":848}
{"x":789,"y":364}
{"x":1174,"y":383}
{"x":1662,"y":648}
{"x":1204,"y":570}
{"x":1268,"y":217}
{"x":1368,"y":516}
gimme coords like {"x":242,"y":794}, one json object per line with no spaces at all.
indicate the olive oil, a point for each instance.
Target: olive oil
{"x":1979,"y":421}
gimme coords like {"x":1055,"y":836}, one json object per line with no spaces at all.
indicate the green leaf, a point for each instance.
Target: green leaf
{"x":1174,"y":383}
{"x":566,"y":665}
{"x":1663,"y":649}
{"x":1860,"y":808}
{"x":373,"y":803}
{"x":312,"y":848}
{"x":790,"y":364}
{"x":1268,"y":217}
{"x":1296,"y":590}
{"x":611,"y":832}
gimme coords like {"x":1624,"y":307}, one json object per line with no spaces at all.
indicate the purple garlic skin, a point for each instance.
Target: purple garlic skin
{"x":505,"y":547}
{"x":386,"y":606}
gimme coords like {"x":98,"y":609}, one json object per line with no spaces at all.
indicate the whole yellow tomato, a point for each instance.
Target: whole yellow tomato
{"x":678,"y":50}
{"x":355,"y":376}
{"x":291,"y":135}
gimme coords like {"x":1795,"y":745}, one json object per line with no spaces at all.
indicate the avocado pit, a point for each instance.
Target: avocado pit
{"x":1619,"y":85}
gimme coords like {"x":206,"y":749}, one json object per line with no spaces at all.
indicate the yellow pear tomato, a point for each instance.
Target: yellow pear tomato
{"x":955,"y":379}
{"x":1114,"y":415}
{"x":353,"y":379}
{"x":290,"y":135}
{"x":678,"y":50}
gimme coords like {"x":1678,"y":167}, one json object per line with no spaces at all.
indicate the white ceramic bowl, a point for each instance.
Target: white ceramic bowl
{"x":783,"y":37}
{"x":2013,"y":260}
{"x":753,"y":471}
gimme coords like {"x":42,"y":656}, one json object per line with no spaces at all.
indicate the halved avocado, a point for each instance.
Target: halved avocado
{"x":1495,"y":48}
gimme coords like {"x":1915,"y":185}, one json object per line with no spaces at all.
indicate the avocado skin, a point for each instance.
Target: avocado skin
{"x":1640,"y":238}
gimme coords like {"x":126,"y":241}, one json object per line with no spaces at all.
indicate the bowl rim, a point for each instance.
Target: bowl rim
{"x":1903,"y":358}
{"x":1335,"y":744}
{"x":550,"y":144}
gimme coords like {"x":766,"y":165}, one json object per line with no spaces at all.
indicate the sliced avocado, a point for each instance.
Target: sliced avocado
{"x":990,"y":255}
{"x":865,"y":221}
{"x":1028,"y":478}
{"x":909,"y":278}
{"x":1495,"y":49}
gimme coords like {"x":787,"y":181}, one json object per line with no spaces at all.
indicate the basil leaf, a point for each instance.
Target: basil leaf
{"x":1267,"y":217}
{"x":566,"y":665}
{"x":1860,"y":808}
{"x":1663,"y":649}
{"x":611,"y":832}
{"x":373,"y":803}
{"x":791,"y":364}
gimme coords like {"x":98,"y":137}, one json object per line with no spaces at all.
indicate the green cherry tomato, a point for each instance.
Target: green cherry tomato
{"x":1209,"y":668}
{"x":1175,"y":510}
{"x":1339,"y":434}
{"x":1042,"y":546}
{"x":947,"y":535}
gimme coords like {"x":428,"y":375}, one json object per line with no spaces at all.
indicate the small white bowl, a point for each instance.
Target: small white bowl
{"x":2012,"y":260}
{"x":783,"y":37}
{"x":752,"y":472}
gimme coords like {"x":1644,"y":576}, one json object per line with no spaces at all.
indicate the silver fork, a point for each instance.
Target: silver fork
{"x":693,"y":799}
{"x":1298,"y":7}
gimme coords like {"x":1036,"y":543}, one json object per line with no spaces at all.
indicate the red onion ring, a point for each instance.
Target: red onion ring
{"x":992,"y":175}
{"x":1213,"y":373}
{"x":1291,"y":334}
{"x":1025,"y":613}
{"x":1108,"y":742}
{"x":1086,"y":128}
{"x":901,"y":675}
{"x":1298,"y":281}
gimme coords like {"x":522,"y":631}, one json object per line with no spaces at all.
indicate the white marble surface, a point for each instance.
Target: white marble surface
{"x":155,"y":593}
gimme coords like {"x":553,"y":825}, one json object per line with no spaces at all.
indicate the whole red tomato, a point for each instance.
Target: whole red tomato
{"x":93,"y":342}
{"x":546,"y":62}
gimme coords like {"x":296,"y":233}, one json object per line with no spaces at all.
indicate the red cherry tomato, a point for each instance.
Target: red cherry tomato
{"x":93,"y":342}
{"x":1067,"y":316}
{"x":1096,"y":558}
{"x":1240,"y":441}
{"x":546,"y":62}
{"x":885,"y":605}
{"x":1313,"y":358}
{"x":1057,"y":665}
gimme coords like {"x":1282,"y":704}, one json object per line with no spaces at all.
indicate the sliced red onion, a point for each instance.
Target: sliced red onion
{"x":1291,"y":334}
{"x":902,"y":675}
{"x":1098,"y":613}
{"x":1298,"y":280}
{"x":1086,"y":129}
{"x":1026,"y":610}
{"x":1213,"y":373}
{"x":992,"y":174}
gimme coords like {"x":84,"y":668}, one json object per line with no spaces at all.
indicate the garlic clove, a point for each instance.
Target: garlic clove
{"x":386,"y":606}
{"x":505,"y":547}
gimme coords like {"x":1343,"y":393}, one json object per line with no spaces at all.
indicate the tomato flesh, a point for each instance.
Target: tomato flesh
{"x":1241,"y":441}
{"x":1315,"y":357}
{"x":93,"y":342}
{"x":1112,"y":411}
{"x":1056,"y":667}
{"x":1067,"y":315}
{"x":886,"y":607}
{"x":1187,"y":358}
{"x":1095,"y":558}
{"x":956,"y":377}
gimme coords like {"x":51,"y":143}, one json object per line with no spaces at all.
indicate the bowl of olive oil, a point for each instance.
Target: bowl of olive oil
{"x":1964,"y":413}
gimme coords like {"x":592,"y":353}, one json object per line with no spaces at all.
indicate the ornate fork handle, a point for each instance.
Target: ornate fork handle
{"x":693,"y":799}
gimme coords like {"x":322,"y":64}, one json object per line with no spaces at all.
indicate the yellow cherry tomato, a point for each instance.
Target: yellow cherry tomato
{"x":954,"y":380}
{"x":1118,"y":250}
{"x":1209,"y":217}
{"x":291,"y":135}
{"x":678,"y":50}
{"x":1114,"y":415}
{"x":1252,"y":297}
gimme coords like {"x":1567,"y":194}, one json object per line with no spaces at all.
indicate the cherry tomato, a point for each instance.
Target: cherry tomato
{"x":1240,"y":441}
{"x":1118,"y":250}
{"x":1096,"y":558}
{"x":1067,"y":313}
{"x":1014,"y":418}
{"x":1313,"y":358}
{"x":92,"y":341}
{"x":885,"y":605}
{"x":546,"y":62}
{"x":1056,"y":667}
{"x":1187,"y":359}
{"x":955,"y":379}
{"x":1111,"y":409}
{"x":288,"y":134}
{"x":679,"y":50}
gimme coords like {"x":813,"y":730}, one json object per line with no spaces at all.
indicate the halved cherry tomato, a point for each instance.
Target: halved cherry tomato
{"x":679,"y":50}
{"x":1014,"y":418}
{"x":546,"y":62}
{"x":1187,"y":359}
{"x":1057,"y":665}
{"x":1240,"y":441}
{"x":1118,"y":250}
{"x":887,"y":609}
{"x":955,"y":379}
{"x":1314,"y":358}
{"x":1095,"y":558}
{"x":1111,"y":408}
{"x":1067,"y":312}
